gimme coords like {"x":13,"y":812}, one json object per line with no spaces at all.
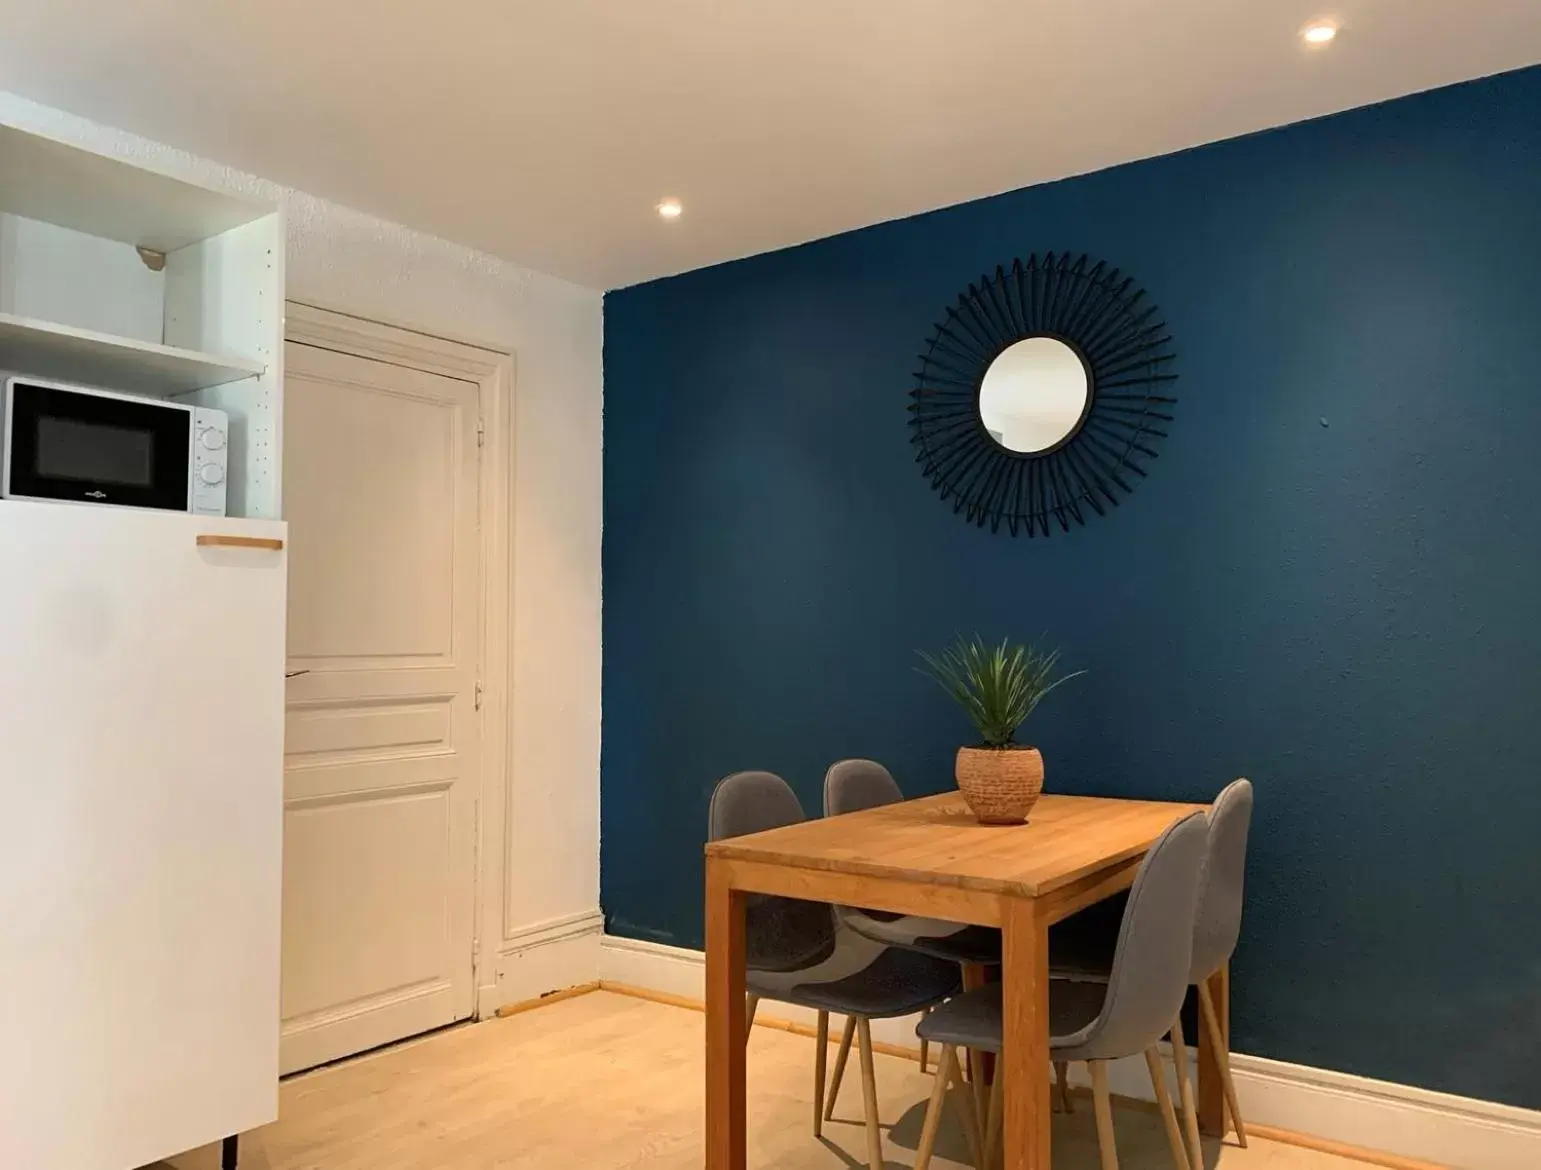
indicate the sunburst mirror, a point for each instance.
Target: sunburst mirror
{"x":1041,"y":393}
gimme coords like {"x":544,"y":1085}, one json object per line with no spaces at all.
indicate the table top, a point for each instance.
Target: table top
{"x":936,"y":839}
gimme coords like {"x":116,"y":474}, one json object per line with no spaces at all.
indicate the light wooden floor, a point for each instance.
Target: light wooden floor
{"x":608,"y":1082}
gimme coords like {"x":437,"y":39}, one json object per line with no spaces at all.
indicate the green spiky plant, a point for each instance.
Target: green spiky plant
{"x":997,"y":686}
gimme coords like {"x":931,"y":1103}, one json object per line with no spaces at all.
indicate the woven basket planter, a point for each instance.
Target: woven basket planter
{"x":1001,"y":785}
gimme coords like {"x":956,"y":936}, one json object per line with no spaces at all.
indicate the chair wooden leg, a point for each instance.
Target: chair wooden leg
{"x":925,"y":1045}
{"x":820,"y":1061}
{"x":1223,"y":1056}
{"x":933,"y":1120}
{"x":752,"y":1005}
{"x":963,"y":1102}
{"x":1103,"y":1105}
{"x":1062,"y":1079}
{"x":1174,"y":1133}
{"x":979,"y":1064}
{"x":993,"y":1121}
{"x":869,"y":1093}
{"x":1189,"y":1097}
{"x":846,"y":1036}
{"x":981,"y":1091}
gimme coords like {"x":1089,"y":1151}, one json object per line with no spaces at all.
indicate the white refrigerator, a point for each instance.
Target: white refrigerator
{"x":141,"y":795}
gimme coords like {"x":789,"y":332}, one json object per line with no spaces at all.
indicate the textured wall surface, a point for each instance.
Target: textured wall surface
{"x":1329,"y":582}
{"x":345,"y":260}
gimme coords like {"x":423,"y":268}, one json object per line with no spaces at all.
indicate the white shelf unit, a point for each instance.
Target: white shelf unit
{"x":141,"y":682}
{"x":119,"y":277}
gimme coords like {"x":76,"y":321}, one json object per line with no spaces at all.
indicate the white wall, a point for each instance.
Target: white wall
{"x":355,"y":263}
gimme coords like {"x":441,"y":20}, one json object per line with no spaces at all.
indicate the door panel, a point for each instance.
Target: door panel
{"x":378,"y":727}
{"x":346,"y":859}
{"x":381,"y":745}
{"x":399,"y":461}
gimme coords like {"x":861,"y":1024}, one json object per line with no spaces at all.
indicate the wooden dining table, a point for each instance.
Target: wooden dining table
{"x":930,"y":857}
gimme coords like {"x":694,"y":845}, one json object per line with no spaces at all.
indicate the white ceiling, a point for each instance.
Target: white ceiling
{"x":547,"y":131}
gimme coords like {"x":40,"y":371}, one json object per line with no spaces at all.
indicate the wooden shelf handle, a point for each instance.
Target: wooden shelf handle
{"x":217,"y":540}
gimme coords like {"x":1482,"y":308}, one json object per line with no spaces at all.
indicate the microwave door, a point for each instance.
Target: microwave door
{"x":66,"y":445}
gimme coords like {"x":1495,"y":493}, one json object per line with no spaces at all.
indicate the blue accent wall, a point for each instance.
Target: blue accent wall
{"x":1331,"y":581}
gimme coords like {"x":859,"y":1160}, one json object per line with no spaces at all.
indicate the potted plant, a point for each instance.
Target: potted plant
{"x":998,"y":687}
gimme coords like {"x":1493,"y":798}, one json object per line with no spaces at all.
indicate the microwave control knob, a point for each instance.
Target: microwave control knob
{"x":212,"y":438}
{"x":211,"y":473}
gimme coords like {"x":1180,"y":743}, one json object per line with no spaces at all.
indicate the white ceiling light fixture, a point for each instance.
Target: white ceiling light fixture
{"x":1319,"y":33}
{"x":670,"y":208}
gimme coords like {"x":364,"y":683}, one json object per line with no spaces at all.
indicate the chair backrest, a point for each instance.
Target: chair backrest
{"x":852,"y":785}
{"x":781,"y":934}
{"x":1155,"y":944}
{"x":1218,"y":925}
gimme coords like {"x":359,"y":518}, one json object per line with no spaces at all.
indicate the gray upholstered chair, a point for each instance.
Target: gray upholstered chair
{"x":852,"y":786}
{"x":796,"y":951}
{"x":1087,"y":956}
{"x":1097,"y":1022}
{"x":855,"y":785}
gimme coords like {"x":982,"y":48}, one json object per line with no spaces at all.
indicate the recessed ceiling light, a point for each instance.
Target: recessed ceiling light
{"x":670,"y":208}
{"x":1319,"y":32}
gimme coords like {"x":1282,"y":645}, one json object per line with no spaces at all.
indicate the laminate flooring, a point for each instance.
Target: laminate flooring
{"x":611,"y":1082}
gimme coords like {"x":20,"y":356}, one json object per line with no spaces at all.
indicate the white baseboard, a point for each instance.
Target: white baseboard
{"x":1377,"y":1115}
{"x":543,"y":957}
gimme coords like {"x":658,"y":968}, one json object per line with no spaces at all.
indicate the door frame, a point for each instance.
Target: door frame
{"x":493,"y":371}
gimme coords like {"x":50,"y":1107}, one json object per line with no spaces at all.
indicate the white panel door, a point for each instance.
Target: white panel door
{"x":381,"y":750}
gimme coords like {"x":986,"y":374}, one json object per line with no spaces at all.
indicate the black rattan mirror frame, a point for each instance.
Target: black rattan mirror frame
{"x":1123,"y":342}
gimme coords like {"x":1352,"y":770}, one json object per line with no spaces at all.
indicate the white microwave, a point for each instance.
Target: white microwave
{"x":95,"y":447}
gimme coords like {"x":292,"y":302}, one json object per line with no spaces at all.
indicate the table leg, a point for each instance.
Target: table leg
{"x":1211,"y":1082}
{"x":725,"y":1020}
{"x":1025,"y":1022}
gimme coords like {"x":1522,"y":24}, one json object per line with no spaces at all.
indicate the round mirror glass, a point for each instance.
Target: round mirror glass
{"x":1034,"y":395}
